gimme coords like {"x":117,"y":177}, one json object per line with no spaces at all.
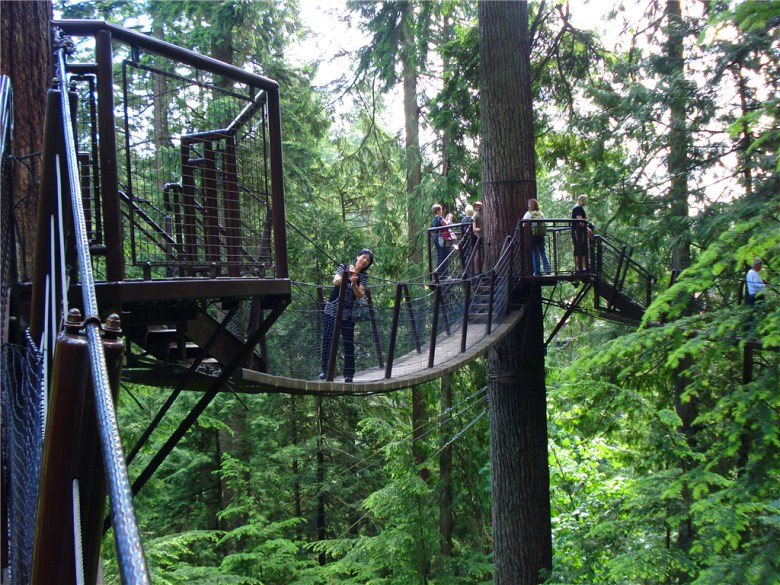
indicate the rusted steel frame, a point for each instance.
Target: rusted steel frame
{"x":79,"y":27}
{"x":277,"y":184}
{"x":210,"y":194}
{"x":94,"y":493}
{"x":465,"y":328}
{"x":179,"y":387}
{"x":412,"y":319}
{"x":569,"y":311}
{"x":206,"y":399}
{"x":88,"y":72}
{"x":72,"y":451}
{"x":334,"y":342}
{"x":252,"y":108}
{"x":53,"y":548}
{"x":394,"y":330}
{"x":47,"y":205}
{"x":232,"y":205}
{"x":156,"y":228}
{"x":188,"y":203}
{"x":94,"y":28}
{"x":617,"y":285}
{"x":112,"y":216}
{"x":434,"y":324}
{"x":374,"y":330}
{"x":490,"y":301}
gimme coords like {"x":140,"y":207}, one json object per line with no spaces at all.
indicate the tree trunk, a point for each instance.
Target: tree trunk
{"x":419,"y":422}
{"x":25,"y":57}
{"x":681,"y":250}
{"x":413,"y":160}
{"x":445,"y":471}
{"x":517,"y":394}
{"x":678,"y":138}
{"x":321,"y":531}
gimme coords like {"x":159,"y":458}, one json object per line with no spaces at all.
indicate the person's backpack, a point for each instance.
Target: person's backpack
{"x":538,"y":229}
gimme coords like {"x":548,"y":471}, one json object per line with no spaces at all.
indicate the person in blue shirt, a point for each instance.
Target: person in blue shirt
{"x":356,"y":290}
{"x":755,"y":284}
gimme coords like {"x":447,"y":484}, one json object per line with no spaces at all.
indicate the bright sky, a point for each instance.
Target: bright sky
{"x":333,"y":36}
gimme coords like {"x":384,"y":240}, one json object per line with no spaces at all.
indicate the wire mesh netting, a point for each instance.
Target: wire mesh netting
{"x":22,"y":419}
{"x":192,"y":155}
{"x":615,"y":266}
{"x":196,"y":171}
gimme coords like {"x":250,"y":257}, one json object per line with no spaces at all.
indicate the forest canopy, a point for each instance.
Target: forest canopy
{"x":663,"y":440}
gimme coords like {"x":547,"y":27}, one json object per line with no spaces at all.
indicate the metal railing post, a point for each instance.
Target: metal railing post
{"x":412,"y":319}
{"x":434,"y":325}
{"x":394,"y":331}
{"x":465,"y":328}
{"x":490,"y":302}
{"x":374,"y":329}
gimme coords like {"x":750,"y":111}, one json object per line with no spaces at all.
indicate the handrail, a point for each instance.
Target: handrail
{"x":80,"y":27}
{"x":6,"y":127}
{"x":126,"y":533}
{"x":6,"y":114}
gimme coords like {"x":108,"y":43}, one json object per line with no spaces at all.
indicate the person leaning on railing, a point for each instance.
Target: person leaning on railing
{"x":356,"y":290}
{"x":441,"y":239}
{"x":580,"y":232}
{"x":467,"y":237}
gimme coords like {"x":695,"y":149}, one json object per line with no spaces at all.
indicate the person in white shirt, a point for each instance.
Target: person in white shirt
{"x":755,"y":284}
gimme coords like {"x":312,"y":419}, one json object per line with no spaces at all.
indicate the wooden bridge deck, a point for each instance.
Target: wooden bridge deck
{"x":406,"y":369}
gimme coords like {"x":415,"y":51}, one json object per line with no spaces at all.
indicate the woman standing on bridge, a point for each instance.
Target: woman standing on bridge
{"x":538,"y":232}
{"x":441,"y":239}
{"x":356,"y":289}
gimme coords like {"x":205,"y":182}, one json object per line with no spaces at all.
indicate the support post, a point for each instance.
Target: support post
{"x":394,"y":331}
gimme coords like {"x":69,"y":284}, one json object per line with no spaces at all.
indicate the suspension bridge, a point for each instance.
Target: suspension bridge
{"x":162,"y":210}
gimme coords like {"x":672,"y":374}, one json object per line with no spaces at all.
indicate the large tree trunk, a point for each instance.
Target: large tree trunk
{"x":445,"y":472}
{"x":517,"y":394}
{"x":679,"y":138}
{"x":413,"y":160}
{"x":25,"y":57}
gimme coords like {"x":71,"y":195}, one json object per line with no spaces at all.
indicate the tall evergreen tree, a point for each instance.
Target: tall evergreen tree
{"x":518,"y":429}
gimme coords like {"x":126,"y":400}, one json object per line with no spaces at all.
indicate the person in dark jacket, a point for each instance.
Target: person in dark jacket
{"x":580,"y":231}
{"x":356,"y":290}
